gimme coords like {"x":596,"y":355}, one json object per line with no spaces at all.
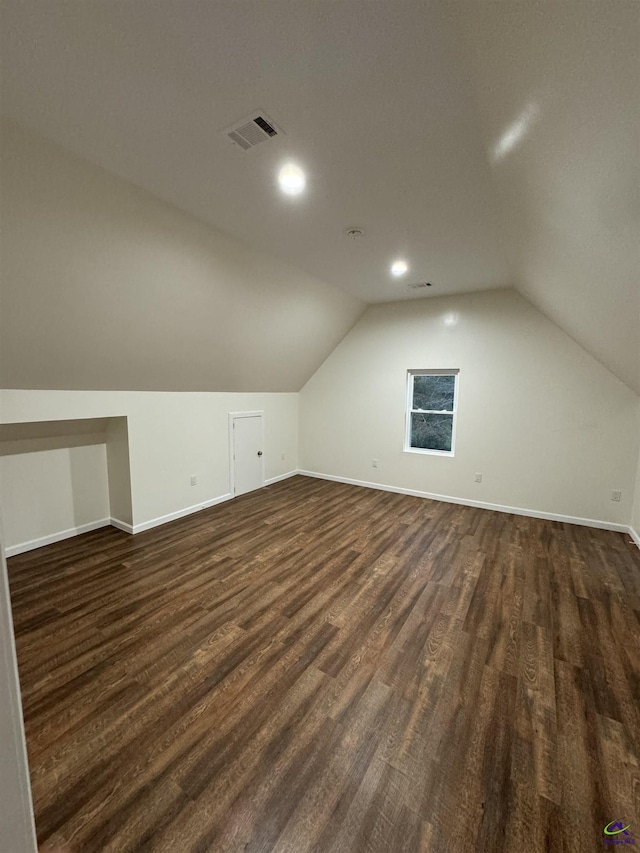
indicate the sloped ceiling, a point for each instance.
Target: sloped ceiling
{"x":558,"y":92}
{"x":106,"y":287}
{"x":491,"y":144}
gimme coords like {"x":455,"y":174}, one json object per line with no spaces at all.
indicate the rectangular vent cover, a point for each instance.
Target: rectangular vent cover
{"x":253,"y":130}
{"x":418,"y":285}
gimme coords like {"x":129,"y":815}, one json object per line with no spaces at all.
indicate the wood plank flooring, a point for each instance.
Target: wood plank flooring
{"x":319,"y":667}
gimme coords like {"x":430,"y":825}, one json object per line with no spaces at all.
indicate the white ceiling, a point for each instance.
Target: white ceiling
{"x":569,"y":191}
{"x":396,"y":110}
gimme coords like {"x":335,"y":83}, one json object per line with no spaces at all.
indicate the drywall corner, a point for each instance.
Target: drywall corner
{"x":16,"y":809}
{"x":119,"y":469}
{"x":635,"y":512}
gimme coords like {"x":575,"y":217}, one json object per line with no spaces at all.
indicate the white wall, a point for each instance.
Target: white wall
{"x":105,"y":287}
{"x":46,"y":492}
{"x":635,"y":516}
{"x":172,"y":435}
{"x":550,"y":428}
{"x":119,"y":470}
{"x":17,"y":833}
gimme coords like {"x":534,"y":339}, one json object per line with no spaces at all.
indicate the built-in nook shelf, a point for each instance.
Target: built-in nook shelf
{"x":59,"y":478}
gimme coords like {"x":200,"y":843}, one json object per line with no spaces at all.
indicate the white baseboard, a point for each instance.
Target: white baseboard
{"x":32,"y":544}
{"x":181,"y":513}
{"x":514,"y":510}
{"x":21,"y":548}
{"x":121,"y":525}
{"x":281,"y":477}
{"x":114,"y":522}
{"x":13,"y":550}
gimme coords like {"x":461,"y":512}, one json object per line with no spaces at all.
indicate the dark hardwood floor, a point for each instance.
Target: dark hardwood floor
{"x":319,"y":667}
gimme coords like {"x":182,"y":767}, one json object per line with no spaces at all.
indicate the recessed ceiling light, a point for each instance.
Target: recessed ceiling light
{"x":292,"y":179}
{"x":399,"y":268}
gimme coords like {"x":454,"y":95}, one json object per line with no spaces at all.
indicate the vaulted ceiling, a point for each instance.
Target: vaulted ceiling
{"x":491,"y":144}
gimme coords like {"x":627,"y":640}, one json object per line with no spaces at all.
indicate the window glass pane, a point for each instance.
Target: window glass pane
{"x":431,"y":432}
{"x":434,"y":392}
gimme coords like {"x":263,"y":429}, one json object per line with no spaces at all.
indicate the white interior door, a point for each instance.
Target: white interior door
{"x":247,"y":459}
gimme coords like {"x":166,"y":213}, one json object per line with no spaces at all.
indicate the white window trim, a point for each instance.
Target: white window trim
{"x":408,"y":410}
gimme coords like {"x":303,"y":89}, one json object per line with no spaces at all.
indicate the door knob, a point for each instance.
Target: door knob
{"x":259,"y":453}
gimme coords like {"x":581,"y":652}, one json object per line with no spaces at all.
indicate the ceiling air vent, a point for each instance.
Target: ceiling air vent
{"x":253,"y":130}
{"x":419,"y":285}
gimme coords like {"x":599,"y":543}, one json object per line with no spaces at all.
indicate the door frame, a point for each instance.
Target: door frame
{"x":232,"y":418}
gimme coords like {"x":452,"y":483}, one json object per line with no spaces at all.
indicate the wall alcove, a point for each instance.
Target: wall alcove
{"x":61,"y":478}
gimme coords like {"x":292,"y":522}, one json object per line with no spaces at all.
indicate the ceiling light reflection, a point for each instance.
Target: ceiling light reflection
{"x":515,"y":132}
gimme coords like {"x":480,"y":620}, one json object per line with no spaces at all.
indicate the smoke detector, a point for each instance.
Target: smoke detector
{"x":355,"y":233}
{"x":253,"y":130}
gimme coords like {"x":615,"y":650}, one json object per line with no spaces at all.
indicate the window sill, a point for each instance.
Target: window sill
{"x":424,"y":452}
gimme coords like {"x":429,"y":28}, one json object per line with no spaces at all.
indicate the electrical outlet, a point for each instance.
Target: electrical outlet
{"x":374,"y":463}
{"x":616,"y":495}
{"x":194,"y":479}
{"x":478,"y":478}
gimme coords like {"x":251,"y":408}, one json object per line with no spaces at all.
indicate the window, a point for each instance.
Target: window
{"x":432,"y":401}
